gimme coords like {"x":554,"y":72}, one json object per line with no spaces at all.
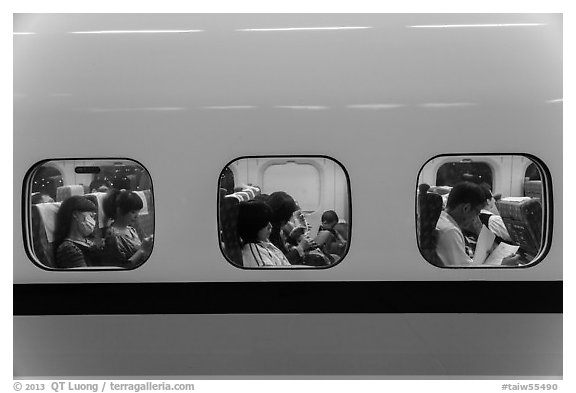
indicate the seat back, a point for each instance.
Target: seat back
{"x":65,"y":192}
{"x":145,"y":224}
{"x":523,"y":220}
{"x":533,"y":189}
{"x":96,"y":198}
{"x":229,"y":222}
{"x":429,"y":207}
{"x":342,"y":229}
{"x":43,"y":225}
{"x":229,"y":229}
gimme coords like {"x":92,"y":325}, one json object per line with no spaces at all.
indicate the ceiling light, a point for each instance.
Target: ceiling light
{"x":136,"y":32}
{"x":310,"y":28}
{"x":477,"y":25}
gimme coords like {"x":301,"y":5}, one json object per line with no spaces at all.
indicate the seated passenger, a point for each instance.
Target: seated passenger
{"x":123,"y":246}
{"x":100,"y":185}
{"x":254,"y":229}
{"x":490,"y":216}
{"x":464,"y":204}
{"x":74,"y":223}
{"x":328,"y":239}
{"x":283,"y":206}
{"x":313,"y":256}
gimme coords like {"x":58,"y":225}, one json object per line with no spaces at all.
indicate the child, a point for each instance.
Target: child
{"x":254,"y":228}
{"x":328,"y":239}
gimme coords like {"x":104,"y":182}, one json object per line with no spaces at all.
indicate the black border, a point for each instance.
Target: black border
{"x":288,"y":156}
{"x":547,"y":210}
{"x":27,"y":224}
{"x":289,"y":297}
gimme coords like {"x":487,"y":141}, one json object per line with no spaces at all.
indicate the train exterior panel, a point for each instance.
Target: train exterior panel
{"x":375,"y":103}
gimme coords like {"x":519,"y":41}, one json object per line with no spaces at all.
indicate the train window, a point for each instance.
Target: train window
{"x":484,"y":211}
{"x":89,"y":214}
{"x":284,"y":212}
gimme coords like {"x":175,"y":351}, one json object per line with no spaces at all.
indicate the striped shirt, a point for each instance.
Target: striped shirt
{"x":263,"y":254}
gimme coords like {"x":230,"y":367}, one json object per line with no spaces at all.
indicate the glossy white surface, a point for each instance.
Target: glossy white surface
{"x":186,"y":94}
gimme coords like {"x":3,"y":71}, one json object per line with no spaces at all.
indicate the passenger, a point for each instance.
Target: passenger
{"x":283,"y":206}
{"x":465,"y":202}
{"x":328,"y":239}
{"x":41,"y":197}
{"x":123,"y":246}
{"x":490,"y":216}
{"x":100,"y":185}
{"x":74,"y":223}
{"x":254,"y":229}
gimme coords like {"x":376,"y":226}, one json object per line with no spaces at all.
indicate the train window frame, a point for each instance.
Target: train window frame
{"x":276,"y":160}
{"x":547,"y":204}
{"x":26,"y":211}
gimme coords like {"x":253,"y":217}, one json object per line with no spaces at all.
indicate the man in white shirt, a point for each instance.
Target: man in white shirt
{"x":464,"y":204}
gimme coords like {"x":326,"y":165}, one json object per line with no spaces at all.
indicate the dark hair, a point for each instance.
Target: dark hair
{"x":122,"y":200}
{"x":487,"y":191}
{"x":97,"y":183}
{"x":262,"y":197}
{"x":73,"y":204}
{"x":282,"y":206}
{"x":329,"y":216}
{"x":466,"y":192}
{"x":253,"y":215}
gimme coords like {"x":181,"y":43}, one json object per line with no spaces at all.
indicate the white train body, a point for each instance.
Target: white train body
{"x":381,"y":95}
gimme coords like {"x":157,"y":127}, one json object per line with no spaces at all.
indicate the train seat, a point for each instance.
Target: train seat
{"x":145,"y":224}
{"x":533,"y":189}
{"x":65,"y":192}
{"x":144,"y":182}
{"x":229,"y":222}
{"x":429,"y":208}
{"x":43,"y":226}
{"x":97,"y":198}
{"x":342,"y":229}
{"x":523,"y":219}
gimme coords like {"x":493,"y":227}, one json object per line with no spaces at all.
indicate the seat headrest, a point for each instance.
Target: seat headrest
{"x":65,"y":192}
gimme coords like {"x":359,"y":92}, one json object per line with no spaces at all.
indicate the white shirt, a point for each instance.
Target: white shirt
{"x":450,"y":243}
{"x":263,"y":254}
{"x":496,"y":226}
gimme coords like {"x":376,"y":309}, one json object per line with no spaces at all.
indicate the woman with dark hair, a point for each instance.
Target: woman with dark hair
{"x":122,"y":244}
{"x":254,"y":229}
{"x":283,"y":207}
{"x":74,"y":223}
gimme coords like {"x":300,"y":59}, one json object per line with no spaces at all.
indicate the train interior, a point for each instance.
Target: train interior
{"x":515,"y":197}
{"x":53,"y":182}
{"x":317,"y":185}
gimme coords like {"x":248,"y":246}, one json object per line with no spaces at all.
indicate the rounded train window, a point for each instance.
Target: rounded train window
{"x":483,"y":211}
{"x":284,"y":212}
{"x":88,"y":214}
